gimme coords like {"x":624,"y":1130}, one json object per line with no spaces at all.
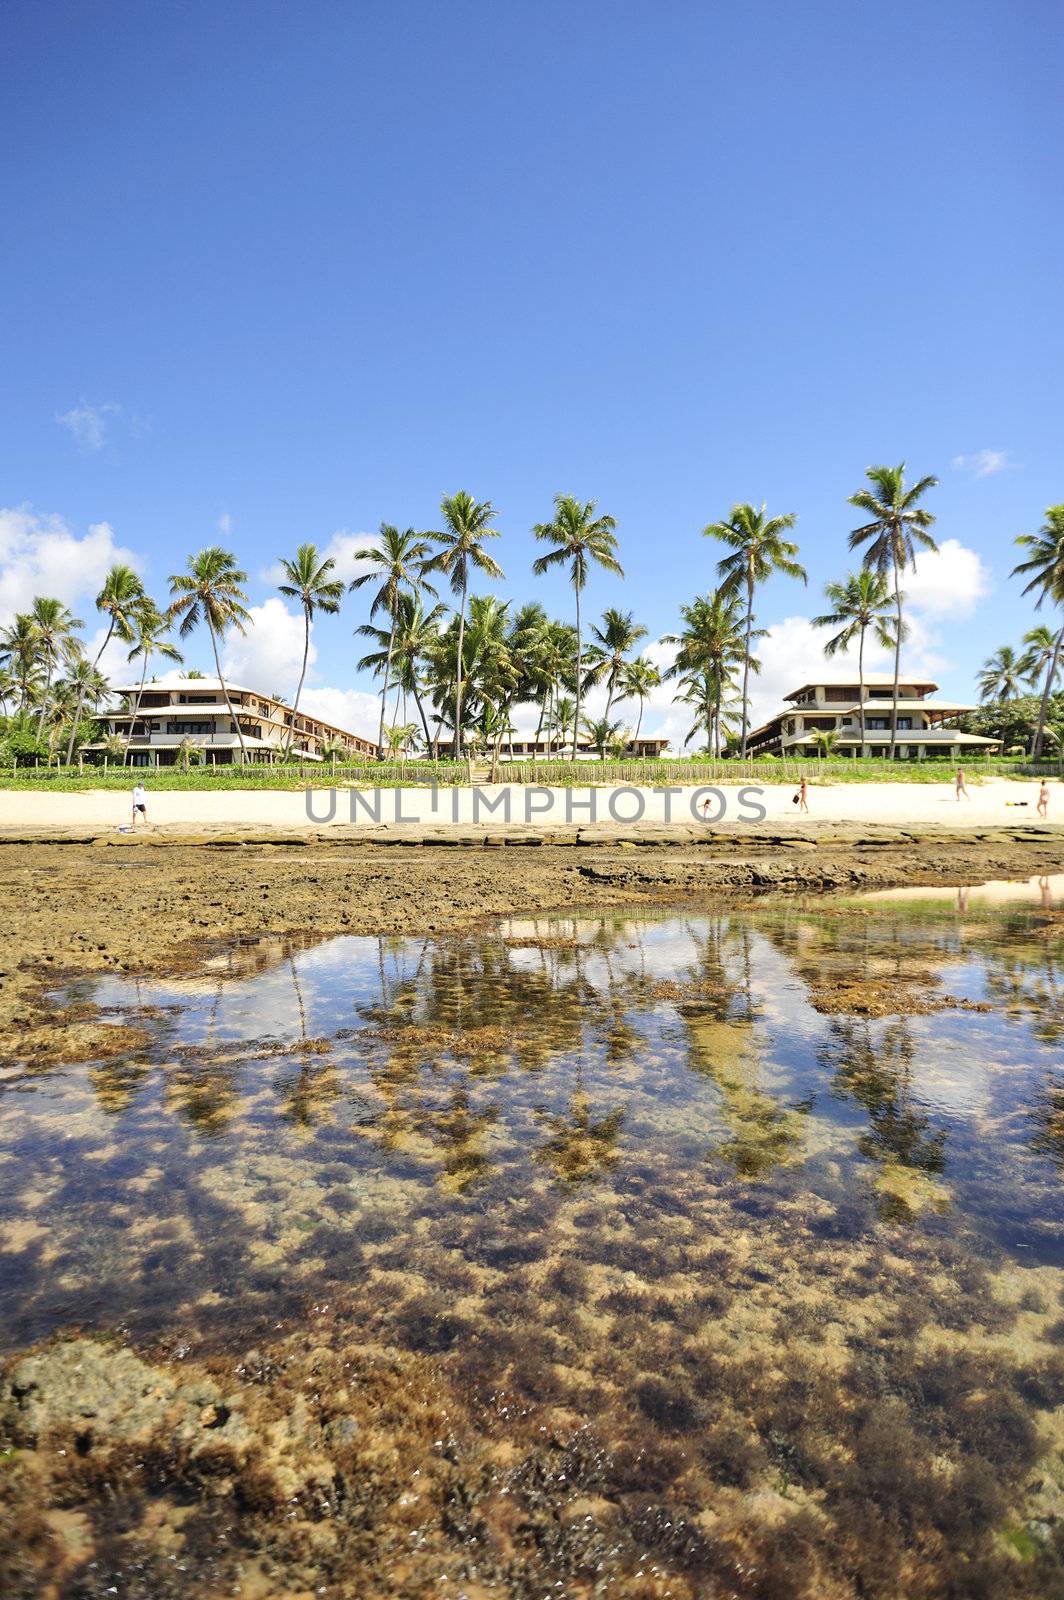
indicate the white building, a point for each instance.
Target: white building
{"x":818,"y":708}
{"x":191,"y":712}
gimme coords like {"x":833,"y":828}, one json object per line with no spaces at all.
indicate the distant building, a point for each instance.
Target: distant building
{"x":819,"y":708}
{"x":192,"y":712}
{"x":518,"y":749}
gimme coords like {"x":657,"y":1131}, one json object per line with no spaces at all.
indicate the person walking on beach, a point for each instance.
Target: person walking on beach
{"x":140,"y":803}
{"x":1043,"y":801}
{"x":960,"y":786}
{"x":803,"y":791}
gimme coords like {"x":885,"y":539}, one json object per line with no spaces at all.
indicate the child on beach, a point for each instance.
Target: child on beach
{"x":960,"y":786}
{"x":803,"y":802}
{"x":140,"y":803}
{"x":1043,"y":800}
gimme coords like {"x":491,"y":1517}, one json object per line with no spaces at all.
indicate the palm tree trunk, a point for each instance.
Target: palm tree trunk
{"x":235,"y":720}
{"x":897,"y":663}
{"x":384,"y":689}
{"x":1043,"y":709}
{"x":579,"y":677}
{"x":302,"y":675}
{"x":81,"y":696}
{"x":44,"y":700}
{"x":424,"y":719}
{"x":136,"y":709}
{"x":639,"y":721}
{"x":746,"y":662}
{"x":716,"y":713}
{"x":860,"y":675}
{"x":458,"y":675}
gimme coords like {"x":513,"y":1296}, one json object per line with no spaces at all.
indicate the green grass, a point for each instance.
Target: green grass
{"x":645,"y":774}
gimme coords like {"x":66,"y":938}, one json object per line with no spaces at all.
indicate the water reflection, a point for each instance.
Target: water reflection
{"x":297,"y":1099}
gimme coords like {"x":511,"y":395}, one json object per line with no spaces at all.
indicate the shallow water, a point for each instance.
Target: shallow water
{"x":707,"y":1171}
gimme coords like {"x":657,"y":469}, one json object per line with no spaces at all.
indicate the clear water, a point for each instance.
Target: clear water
{"x":765,"y":1197}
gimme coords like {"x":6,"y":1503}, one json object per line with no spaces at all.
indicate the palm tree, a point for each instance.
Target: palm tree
{"x":398,"y":563}
{"x":121,"y":593}
{"x":400,"y":737}
{"x":607,"y":655}
{"x":862,"y":602}
{"x":150,"y":627}
{"x":211,"y":592}
{"x":641,"y":678}
{"x":714,"y":639}
{"x":83,"y":682}
{"x":1002,"y":676}
{"x":562,"y":717}
{"x":897,"y":524}
{"x":601,"y":734}
{"x":405,"y":643}
{"x":1045,"y":571}
{"x":702,"y":690}
{"x":8,"y":686}
{"x":579,"y":537}
{"x":758,"y":550}
{"x":18,"y":653}
{"x":55,"y":643}
{"x":310,"y":584}
{"x":466,"y":523}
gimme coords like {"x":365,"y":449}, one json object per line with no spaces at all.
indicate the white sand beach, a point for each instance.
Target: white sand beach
{"x":993,"y":801}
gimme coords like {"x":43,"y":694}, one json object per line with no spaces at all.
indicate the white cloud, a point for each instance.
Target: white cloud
{"x":346,"y":549}
{"x":947,"y":582}
{"x":269,"y":655}
{"x":88,"y":423}
{"x":39,"y":555}
{"x":354,"y":710}
{"x":225,"y":524}
{"x":982,"y":463}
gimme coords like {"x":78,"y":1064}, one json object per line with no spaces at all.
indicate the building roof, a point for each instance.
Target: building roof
{"x":872,"y":680}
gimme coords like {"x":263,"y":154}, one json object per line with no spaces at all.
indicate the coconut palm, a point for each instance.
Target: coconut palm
{"x":607,"y":654}
{"x":210,"y":591}
{"x":1044,"y":570}
{"x":641,"y":678}
{"x":404,"y":645}
{"x":401,"y":736}
{"x":8,"y":689}
{"x":758,"y":549}
{"x":467,"y":522}
{"x":397,"y":564}
{"x":561,"y":718}
{"x":118,"y":599}
{"x":308,"y":581}
{"x":897,"y":525}
{"x":18,"y":653}
{"x":55,"y":643}
{"x":861,"y":602}
{"x":150,"y":627}
{"x":601,"y":734}
{"x":579,"y":538}
{"x":82,"y":684}
{"x":1002,"y":676}
{"x":701,"y":689}
{"x":714,"y":639}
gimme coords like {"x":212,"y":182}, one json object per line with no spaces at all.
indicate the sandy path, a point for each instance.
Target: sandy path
{"x":993,"y":801}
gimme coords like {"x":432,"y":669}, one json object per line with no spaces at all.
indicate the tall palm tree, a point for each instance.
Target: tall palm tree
{"x":83,"y":683}
{"x":607,"y":655}
{"x":122,"y":592}
{"x":467,"y":522}
{"x":714,"y":639}
{"x":896,"y":524}
{"x":641,"y":678}
{"x":8,"y":688}
{"x":397,"y":564}
{"x":1002,"y":676}
{"x":860,"y":603}
{"x":404,"y":645}
{"x":579,"y":537}
{"x":210,"y":591}
{"x":1044,"y":570}
{"x":308,"y":581}
{"x":55,"y":643}
{"x":758,"y":549}
{"x":701,"y":689}
{"x":18,"y":653}
{"x":150,"y":629}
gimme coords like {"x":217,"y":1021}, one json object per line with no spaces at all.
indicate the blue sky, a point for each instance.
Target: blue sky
{"x":277,"y":272}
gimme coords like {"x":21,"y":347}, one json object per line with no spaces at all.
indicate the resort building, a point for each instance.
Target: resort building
{"x":925,"y":727}
{"x":559,"y":749}
{"x":178,"y":714}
